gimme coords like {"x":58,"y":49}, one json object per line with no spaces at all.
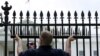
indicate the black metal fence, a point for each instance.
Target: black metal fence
{"x":60,"y":30}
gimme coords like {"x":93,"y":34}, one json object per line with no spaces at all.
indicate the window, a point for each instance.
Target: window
{"x":80,"y":53}
{"x":95,"y":53}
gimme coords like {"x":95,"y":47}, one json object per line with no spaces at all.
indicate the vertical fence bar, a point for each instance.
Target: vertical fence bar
{"x":48,"y":17}
{"x":69,"y":14}
{"x":13,"y":33}
{"x":60,"y":33}
{"x":61,"y":14}
{"x":28,"y":32}
{"x":41,"y":17}
{"x":55,"y":17}
{"x":25,"y":31}
{"x":89,"y":16}
{"x":96,"y":17}
{"x":21,"y":17}
{"x":6,"y":13}
{"x":34,"y":14}
{"x":18,"y":30}
{"x":83,"y":32}
{"x":69,"y":17}
{"x":75,"y":14}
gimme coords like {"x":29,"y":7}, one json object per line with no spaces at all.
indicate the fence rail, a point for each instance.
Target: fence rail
{"x":60,"y":30}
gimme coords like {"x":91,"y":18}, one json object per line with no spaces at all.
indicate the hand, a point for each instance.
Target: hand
{"x":71,"y":38}
{"x":17,"y":38}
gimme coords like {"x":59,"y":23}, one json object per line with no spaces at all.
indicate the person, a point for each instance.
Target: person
{"x":30,"y":44}
{"x":45,"y":48}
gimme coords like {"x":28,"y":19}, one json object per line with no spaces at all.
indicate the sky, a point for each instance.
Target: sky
{"x":52,"y":5}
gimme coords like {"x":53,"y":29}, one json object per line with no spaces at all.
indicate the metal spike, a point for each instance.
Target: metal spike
{"x":61,"y":14}
{"x":55,"y":14}
{"x":41,"y":14}
{"x":75,"y":14}
{"x":27,"y":14}
{"x":48,"y":14}
{"x":21,"y":13}
{"x":82,"y":14}
{"x":34,"y":14}
{"x":96,"y":13}
{"x":89,"y":13}
{"x":14,"y":13}
{"x":69,"y":14}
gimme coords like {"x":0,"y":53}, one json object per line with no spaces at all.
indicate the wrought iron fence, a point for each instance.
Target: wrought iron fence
{"x":60,"y":30}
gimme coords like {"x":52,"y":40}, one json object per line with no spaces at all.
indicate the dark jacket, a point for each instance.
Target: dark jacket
{"x":44,"y":51}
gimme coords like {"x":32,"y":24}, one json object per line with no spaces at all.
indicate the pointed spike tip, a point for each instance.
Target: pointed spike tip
{"x":21,"y":13}
{"x":27,"y":14}
{"x":82,"y":14}
{"x":55,"y":14}
{"x":89,"y":13}
{"x":75,"y":14}
{"x":14,"y":13}
{"x":34,"y":14}
{"x":61,"y":14}
{"x":41,"y":14}
{"x":96,"y":13}
{"x":48,"y":14}
{"x":69,"y":14}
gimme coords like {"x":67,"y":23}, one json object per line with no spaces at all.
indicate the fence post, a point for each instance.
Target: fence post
{"x":6,"y":13}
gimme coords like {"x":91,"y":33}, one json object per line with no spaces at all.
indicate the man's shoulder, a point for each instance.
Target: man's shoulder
{"x":27,"y":52}
{"x":57,"y":50}
{"x":30,"y":50}
{"x":61,"y":52}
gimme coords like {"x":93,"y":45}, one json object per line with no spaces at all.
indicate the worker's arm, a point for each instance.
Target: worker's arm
{"x":19,"y":44}
{"x":68,"y":44}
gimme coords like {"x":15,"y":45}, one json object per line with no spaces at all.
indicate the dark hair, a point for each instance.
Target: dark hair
{"x":31,"y":43}
{"x":47,"y":37}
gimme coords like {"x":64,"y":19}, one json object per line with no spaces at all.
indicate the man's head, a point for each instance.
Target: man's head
{"x":31,"y":44}
{"x":45,"y":38}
